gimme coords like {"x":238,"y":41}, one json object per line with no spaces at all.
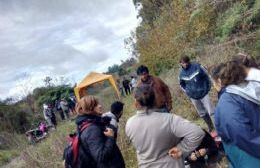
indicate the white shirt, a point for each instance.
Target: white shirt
{"x":133,"y":82}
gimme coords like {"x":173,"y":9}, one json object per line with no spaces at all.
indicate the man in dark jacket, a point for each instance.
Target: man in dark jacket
{"x":195,"y":82}
{"x":163,"y":98}
{"x":126,"y":85}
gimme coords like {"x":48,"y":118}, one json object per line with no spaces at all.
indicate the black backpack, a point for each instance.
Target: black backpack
{"x":71,"y":152}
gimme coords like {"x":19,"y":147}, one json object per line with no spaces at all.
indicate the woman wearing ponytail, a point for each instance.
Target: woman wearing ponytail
{"x":160,"y":139}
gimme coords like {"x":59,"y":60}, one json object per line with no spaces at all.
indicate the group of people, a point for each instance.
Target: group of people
{"x":63,"y":107}
{"x":126,"y":86}
{"x":165,"y":140}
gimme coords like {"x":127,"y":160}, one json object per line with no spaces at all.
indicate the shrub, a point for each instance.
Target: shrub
{"x":229,"y":20}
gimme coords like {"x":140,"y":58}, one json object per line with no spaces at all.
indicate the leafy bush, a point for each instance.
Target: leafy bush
{"x":229,"y":20}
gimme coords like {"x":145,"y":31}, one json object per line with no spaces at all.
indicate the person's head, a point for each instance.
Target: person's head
{"x":88,"y":105}
{"x":117,"y":108}
{"x":230,"y":73}
{"x":143,"y":72}
{"x":184,"y":61}
{"x":144,"y":97}
{"x":246,"y":60}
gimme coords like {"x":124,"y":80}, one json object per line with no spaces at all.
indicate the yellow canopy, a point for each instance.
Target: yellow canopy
{"x":91,"y":79}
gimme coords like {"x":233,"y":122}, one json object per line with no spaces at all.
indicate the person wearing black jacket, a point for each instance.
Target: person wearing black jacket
{"x":126,"y":85}
{"x":98,"y":148}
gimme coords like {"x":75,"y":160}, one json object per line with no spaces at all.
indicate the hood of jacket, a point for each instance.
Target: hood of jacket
{"x":249,"y":90}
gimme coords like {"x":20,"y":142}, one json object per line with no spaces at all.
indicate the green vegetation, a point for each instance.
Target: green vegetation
{"x":230,"y":20}
{"x":7,"y":155}
{"x":11,"y":145}
{"x":26,"y":113}
{"x":124,"y":68}
{"x":199,"y":28}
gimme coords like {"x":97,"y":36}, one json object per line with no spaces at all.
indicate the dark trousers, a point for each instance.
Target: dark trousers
{"x":127,"y":90}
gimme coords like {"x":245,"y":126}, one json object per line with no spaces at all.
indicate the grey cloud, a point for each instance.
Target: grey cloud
{"x":61,"y":37}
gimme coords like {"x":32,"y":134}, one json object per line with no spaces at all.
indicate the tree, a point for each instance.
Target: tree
{"x":130,"y":45}
{"x":47,"y":80}
{"x":113,"y":69}
{"x":122,"y":72}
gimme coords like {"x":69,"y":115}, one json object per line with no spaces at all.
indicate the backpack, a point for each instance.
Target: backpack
{"x":71,"y":152}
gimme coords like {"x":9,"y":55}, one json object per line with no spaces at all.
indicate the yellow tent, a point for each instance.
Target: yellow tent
{"x":91,"y":79}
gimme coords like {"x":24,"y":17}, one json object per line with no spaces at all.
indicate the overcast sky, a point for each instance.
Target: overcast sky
{"x":60,"y":38}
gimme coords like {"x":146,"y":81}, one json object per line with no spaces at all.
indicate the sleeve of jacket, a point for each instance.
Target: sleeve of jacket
{"x":182,"y":83}
{"x":100,"y":146}
{"x":233,"y":125}
{"x":167,"y":94}
{"x":191,"y":135}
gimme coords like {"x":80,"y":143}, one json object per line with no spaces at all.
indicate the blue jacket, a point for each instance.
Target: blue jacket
{"x":98,"y":151}
{"x":195,"y":81}
{"x":237,"y":121}
{"x":239,"y":158}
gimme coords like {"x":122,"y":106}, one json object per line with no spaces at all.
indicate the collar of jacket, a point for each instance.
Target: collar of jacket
{"x":88,"y":117}
{"x":188,"y":67}
{"x":144,"y":112}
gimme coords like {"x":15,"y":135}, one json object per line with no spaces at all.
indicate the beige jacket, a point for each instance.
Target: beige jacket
{"x":154,"y":133}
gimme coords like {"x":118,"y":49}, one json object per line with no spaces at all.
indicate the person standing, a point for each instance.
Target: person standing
{"x":126,"y":85}
{"x":49,"y":115}
{"x":59,"y":110}
{"x":161,"y":140}
{"x":237,"y":114}
{"x":133,"y":83}
{"x":120,"y":86}
{"x":163,"y":98}
{"x":195,"y":82}
{"x":115,"y":113}
{"x":65,"y":108}
{"x":98,"y":148}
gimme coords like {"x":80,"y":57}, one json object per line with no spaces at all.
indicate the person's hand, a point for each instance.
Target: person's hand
{"x":175,"y":153}
{"x":202,"y":152}
{"x":109,"y":132}
{"x":193,"y":156}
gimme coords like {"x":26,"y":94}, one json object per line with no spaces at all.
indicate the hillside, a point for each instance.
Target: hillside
{"x":202,"y":29}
